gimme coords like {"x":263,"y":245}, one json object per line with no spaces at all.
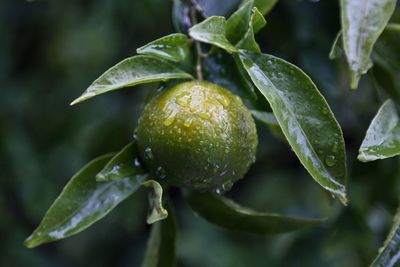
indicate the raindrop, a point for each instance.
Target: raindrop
{"x":325,"y":111}
{"x":330,"y":160}
{"x":148,"y":153}
{"x":188,"y":122}
{"x":183,"y":100}
{"x":205,"y":115}
{"x":335,"y":147}
{"x":170,"y":120}
{"x":223,"y":100}
{"x":218,"y":191}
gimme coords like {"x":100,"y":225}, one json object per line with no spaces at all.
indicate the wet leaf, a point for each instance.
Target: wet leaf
{"x":156,"y":209}
{"x":389,"y":254}
{"x":173,"y":47}
{"x":248,"y":42}
{"x":336,"y":51}
{"x":238,"y":23}
{"x":362,"y":23}
{"x":133,"y":71}
{"x":121,"y":165}
{"x":383,"y":135}
{"x":305,"y":118}
{"x":270,"y":121}
{"x":229,"y":215}
{"x":82,"y":202}
{"x":161,"y":246}
{"x":212,"y":31}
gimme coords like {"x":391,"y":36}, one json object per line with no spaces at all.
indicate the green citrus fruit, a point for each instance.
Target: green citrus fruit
{"x":197,"y":135}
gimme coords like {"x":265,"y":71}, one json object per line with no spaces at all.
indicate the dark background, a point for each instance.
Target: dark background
{"x":50,"y":51}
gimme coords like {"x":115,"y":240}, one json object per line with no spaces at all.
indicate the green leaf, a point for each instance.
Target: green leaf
{"x":305,"y":118}
{"x":227,"y":214}
{"x":173,"y":47}
{"x":389,"y":254}
{"x":121,"y":165}
{"x":270,"y":121}
{"x":238,"y":23}
{"x":336,"y":51}
{"x":395,"y":27}
{"x":156,"y":210}
{"x":82,"y":202}
{"x":132,"y":71}
{"x":161,"y":246}
{"x":258,"y":21}
{"x":383,"y":135}
{"x":212,"y":31}
{"x":248,"y":42}
{"x":362,"y":23}
{"x":264,"y":6}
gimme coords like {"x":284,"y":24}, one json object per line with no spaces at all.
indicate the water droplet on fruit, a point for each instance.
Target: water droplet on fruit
{"x":183,"y":99}
{"x":330,"y":160}
{"x":188,"y":122}
{"x":205,"y":115}
{"x":170,"y":120}
{"x":148,"y":153}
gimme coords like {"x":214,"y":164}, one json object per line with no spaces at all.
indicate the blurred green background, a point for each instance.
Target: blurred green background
{"x":50,"y":51}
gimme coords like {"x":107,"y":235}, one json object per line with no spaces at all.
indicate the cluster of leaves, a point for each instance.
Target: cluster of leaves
{"x":296,"y":112}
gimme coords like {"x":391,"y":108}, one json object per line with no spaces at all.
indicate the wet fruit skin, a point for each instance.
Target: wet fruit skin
{"x":197,"y":135}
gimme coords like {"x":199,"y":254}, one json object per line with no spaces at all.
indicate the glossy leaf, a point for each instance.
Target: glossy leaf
{"x":270,"y":121}
{"x":393,"y":27}
{"x":389,"y":254}
{"x":229,"y":215}
{"x":121,"y":165}
{"x":132,"y":71}
{"x":362,"y":23}
{"x":161,"y":246}
{"x":383,"y":135}
{"x":82,"y":202}
{"x":238,"y":23}
{"x":336,"y":51}
{"x":156,"y":209}
{"x":248,"y":42}
{"x":212,"y":31}
{"x":258,"y":20}
{"x":173,"y":47}
{"x":305,"y":118}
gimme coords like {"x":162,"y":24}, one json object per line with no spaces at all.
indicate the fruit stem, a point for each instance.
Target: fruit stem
{"x":193,"y":17}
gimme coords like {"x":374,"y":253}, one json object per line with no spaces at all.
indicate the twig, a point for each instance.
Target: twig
{"x":199,"y":71}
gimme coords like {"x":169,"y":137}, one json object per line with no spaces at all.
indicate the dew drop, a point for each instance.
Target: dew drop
{"x":218,"y":191}
{"x":330,"y":160}
{"x":148,"y":153}
{"x":183,"y":100}
{"x":188,"y":122}
{"x":170,"y":120}
{"x":205,"y":115}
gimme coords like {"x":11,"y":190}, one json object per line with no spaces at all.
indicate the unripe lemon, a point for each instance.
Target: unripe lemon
{"x":197,"y":135}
